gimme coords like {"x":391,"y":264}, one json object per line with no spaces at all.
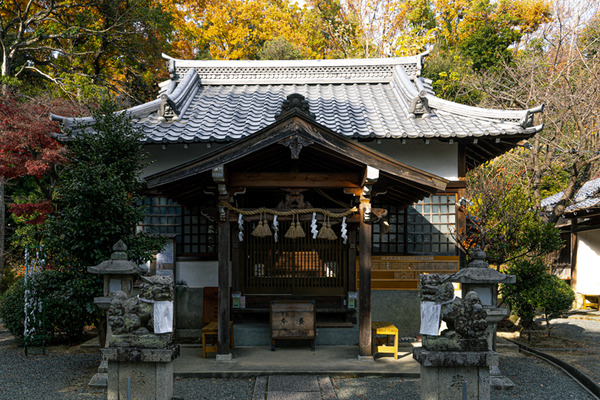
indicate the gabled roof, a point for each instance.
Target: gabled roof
{"x":220,"y":101}
{"x":403,"y":183}
{"x":586,"y":198}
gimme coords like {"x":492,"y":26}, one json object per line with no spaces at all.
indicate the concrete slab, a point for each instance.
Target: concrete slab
{"x":326,"y":360}
{"x":293,"y":383}
{"x":294,"y":396}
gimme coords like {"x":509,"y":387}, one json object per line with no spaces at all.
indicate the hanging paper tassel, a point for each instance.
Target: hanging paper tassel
{"x":275,"y":228}
{"x":344,"y":231}
{"x":241,"y":228}
{"x":313,"y":226}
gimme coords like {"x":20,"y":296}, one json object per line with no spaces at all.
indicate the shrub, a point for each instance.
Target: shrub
{"x":67,"y":303}
{"x":535,"y":290}
{"x":556,"y":298}
{"x":11,"y":308}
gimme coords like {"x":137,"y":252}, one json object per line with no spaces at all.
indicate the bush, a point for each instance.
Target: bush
{"x":556,"y":298}
{"x":68,"y":303}
{"x":11,"y":308}
{"x":535,"y":290}
{"x":7,"y":278}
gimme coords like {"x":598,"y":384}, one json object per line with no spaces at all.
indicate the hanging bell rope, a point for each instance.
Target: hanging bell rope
{"x":262,"y":228}
{"x":326,"y":232}
{"x":295,"y":231}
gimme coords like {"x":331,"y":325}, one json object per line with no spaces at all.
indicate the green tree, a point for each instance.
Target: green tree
{"x":98,"y":195}
{"x":77,"y":45}
{"x":279,"y":49}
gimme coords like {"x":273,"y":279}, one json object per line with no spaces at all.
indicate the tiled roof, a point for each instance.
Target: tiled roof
{"x":587,"y":196}
{"x":380,"y":98}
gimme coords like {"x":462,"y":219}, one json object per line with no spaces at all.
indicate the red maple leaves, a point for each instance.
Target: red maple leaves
{"x":27,"y":145}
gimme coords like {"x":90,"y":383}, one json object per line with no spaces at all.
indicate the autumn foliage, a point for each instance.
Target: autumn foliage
{"x":28,"y":148}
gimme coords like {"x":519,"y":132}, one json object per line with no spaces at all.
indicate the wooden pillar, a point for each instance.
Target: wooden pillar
{"x":574,"y":246}
{"x":364,"y":272}
{"x":224,"y":336}
{"x":461,"y":216}
{"x":352,"y":259}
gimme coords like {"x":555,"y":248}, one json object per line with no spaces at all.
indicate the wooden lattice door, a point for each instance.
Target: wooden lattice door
{"x":303,"y":266}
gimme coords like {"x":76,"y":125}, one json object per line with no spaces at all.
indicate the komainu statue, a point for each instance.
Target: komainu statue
{"x":144,"y":321}
{"x":465,"y":318}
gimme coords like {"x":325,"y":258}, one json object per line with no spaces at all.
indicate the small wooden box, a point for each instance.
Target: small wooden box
{"x":293,"y":320}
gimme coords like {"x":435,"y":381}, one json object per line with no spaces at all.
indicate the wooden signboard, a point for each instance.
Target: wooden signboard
{"x":402,"y":272}
{"x":293,"y":320}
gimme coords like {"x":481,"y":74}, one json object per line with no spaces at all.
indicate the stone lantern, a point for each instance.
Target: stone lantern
{"x":478,"y":277}
{"x":119,"y":275}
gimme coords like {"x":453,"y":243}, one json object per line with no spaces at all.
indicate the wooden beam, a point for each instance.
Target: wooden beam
{"x":293,"y":179}
{"x":364,"y":277}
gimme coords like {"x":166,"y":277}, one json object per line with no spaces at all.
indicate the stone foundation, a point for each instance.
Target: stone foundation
{"x":150,"y":370}
{"x":443,"y":373}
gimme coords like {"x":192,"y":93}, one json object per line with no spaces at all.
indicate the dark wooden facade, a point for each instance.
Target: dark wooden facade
{"x":294,"y":155}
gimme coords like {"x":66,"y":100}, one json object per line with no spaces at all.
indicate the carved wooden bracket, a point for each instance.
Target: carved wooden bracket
{"x":296,"y":143}
{"x":218,"y":175}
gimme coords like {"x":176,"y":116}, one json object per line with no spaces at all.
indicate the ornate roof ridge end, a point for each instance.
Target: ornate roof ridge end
{"x":523,"y":117}
{"x":173,"y":105}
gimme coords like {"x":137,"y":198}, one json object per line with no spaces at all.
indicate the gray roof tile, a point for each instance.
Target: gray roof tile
{"x":587,"y":196}
{"x":228,"y":100}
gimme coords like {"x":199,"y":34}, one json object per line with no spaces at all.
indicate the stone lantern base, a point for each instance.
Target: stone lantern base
{"x":444,"y":372}
{"x":150,"y":370}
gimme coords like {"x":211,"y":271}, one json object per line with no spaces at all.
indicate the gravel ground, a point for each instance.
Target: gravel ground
{"x":533,"y":378}
{"x":64,"y":375}
{"x":584,"y":335}
{"x":53,"y":376}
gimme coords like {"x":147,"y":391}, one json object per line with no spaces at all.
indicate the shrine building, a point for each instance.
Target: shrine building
{"x":329,"y":181}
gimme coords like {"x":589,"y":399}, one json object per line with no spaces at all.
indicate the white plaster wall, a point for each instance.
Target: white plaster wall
{"x":437,"y":157}
{"x":174,"y":155}
{"x":198,"y":273}
{"x":588,"y":262}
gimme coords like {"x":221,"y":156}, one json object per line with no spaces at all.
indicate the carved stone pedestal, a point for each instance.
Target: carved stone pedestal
{"x":150,"y":370}
{"x":443,"y":373}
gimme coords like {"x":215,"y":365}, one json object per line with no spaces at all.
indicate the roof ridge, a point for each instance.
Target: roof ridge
{"x":355,"y":70}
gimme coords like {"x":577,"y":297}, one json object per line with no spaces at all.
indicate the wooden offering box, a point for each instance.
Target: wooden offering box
{"x":293,"y":320}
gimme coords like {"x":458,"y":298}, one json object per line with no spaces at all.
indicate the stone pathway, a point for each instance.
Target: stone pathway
{"x":293,"y":387}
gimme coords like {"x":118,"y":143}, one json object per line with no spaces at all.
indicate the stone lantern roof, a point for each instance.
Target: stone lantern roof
{"x":478,"y":271}
{"x":118,"y":264}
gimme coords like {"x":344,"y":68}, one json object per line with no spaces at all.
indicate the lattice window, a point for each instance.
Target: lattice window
{"x":429,"y":225}
{"x":199,"y":233}
{"x":393,"y":241}
{"x":194,"y":233}
{"x":422,"y":229}
{"x":163,"y":216}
